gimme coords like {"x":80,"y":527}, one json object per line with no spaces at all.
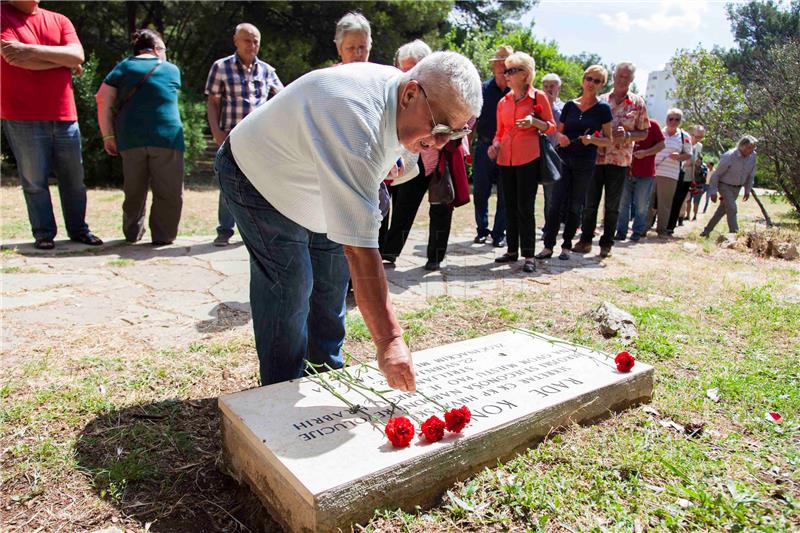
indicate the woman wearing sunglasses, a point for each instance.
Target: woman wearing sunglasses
{"x":585,"y":124}
{"x":522,"y":115}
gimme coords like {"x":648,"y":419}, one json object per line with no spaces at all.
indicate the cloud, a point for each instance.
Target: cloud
{"x":667,"y":15}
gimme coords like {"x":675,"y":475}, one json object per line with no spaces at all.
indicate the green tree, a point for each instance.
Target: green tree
{"x":778,"y":110}
{"x":486,"y":14}
{"x":757,"y":27}
{"x":479,"y":46}
{"x":709,"y":95}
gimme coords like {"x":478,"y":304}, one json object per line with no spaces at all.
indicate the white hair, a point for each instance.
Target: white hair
{"x":552,"y":77}
{"x":246,"y":27}
{"x":353,"y":21}
{"x":746,"y":140}
{"x":674,"y":111}
{"x":626,"y":64}
{"x":449,"y":77}
{"x":416,"y":49}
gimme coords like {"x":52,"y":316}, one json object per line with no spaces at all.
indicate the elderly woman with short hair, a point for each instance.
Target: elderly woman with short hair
{"x":677,"y":148}
{"x":353,"y":38}
{"x":585,"y":124}
{"x":522,"y":115}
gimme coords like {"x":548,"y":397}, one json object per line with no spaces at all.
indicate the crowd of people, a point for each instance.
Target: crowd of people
{"x":325,"y":181}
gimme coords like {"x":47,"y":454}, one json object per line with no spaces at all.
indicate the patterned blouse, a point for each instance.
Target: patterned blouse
{"x":631,"y":114}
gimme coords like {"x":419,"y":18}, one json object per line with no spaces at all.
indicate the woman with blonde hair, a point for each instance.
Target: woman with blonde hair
{"x":585,"y":124}
{"x":523,"y":114}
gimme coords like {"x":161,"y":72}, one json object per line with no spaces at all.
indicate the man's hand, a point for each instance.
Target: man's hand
{"x":219,"y":136}
{"x":563,"y":140}
{"x":640,"y":154}
{"x":675,"y":156}
{"x":746,"y":196}
{"x":394,"y":360}
{"x":14,"y":52}
{"x":714,"y":198}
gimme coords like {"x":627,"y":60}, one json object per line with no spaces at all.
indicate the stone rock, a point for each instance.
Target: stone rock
{"x":787,"y":250}
{"x":689,"y":247}
{"x":319,"y":465}
{"x":613,"y":321}
{"x":726,"y":240}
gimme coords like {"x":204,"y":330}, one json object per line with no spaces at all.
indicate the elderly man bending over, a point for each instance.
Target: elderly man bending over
{"x":301,"y":177}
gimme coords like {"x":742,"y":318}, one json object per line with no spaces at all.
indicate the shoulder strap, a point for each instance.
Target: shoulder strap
{"x":138,"y":86}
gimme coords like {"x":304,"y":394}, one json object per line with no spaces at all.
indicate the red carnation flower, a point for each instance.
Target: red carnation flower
{"x":624,"y":361}
{"x":433,"y":429}
{"x":537,"y":110}
{"x":456,"y":419}
{"x":629,"y":101}
{"x":597,"y":134}
{"x":400,"y":431}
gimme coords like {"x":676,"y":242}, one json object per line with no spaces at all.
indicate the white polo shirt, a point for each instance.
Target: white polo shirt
{"x":319,"y":149}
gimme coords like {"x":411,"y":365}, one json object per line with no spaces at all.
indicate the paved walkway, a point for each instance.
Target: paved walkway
{"x":177,"y":294}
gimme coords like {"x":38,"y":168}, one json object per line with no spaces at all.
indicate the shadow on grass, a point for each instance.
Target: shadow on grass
{"x":161,"y":463}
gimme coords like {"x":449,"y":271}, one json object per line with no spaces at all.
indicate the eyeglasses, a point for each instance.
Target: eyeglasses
{"x":511,"y":71}
{"x":442,"y":130}
{"x":673,"y":119}
{"x":596,"y":81}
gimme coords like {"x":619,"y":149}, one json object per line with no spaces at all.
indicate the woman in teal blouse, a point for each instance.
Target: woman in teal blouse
{"x":137,"y":108}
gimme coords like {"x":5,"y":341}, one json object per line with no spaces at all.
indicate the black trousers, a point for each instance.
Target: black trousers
{"x":677,"y":201}
{"x":406,"y":199}
{"x":612,"y":179}
{"x":519,"y":192}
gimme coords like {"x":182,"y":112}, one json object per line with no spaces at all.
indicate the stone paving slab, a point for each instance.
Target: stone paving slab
{"x":169,"y":295}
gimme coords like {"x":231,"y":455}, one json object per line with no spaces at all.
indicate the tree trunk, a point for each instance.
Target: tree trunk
{"x":130,"y":9}
{"x":763,"y":210}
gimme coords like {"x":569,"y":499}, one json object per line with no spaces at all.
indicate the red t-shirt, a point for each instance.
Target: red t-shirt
{"x":646,"y":166}
{"x":36,"y":94}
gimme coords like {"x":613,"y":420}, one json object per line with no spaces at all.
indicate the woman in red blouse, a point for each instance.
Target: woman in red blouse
{"x":522,"y":115}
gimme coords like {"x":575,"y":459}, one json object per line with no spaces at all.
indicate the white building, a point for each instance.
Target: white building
{"x":660,"y":83}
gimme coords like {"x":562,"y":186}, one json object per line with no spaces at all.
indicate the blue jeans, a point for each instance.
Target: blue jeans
{"x":568,"y":198}
{"x":635,"y":202}
{"x":298,"y":281}
{"x":41,"y":147}
{"x":225,"y":218}
{"x":484,"y":174}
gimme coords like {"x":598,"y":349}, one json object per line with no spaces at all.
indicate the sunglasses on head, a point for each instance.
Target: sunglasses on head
{"x":443,"y":130}
{"x":511,"y":71}
{"x":596,"y":81}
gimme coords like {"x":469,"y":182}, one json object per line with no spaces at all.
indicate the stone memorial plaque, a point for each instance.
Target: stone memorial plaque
{"x":319,"y":465}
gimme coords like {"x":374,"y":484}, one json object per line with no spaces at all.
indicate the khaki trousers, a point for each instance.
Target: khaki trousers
{"x":664,"y":191}
{"x":160,"y":169}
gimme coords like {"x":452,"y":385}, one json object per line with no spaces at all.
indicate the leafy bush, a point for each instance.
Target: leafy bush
{"x":193,"y":115}
{"x":99,"y":167}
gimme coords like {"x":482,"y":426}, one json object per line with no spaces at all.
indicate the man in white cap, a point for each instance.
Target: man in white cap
{"x":484,"y":170}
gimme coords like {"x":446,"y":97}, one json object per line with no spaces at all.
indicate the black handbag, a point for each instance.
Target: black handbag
{"x":440,"y":189}
{"x":549,"y":162}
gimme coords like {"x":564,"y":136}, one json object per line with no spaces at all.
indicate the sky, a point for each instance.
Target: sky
{"x":647,"y":32}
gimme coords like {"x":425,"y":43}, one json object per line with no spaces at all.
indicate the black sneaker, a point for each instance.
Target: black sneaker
{"x":480,"y":239}
{"x":222,"y":240}
{"x":88,"y":238}
{"x":620,"y":237}
{"x":44,"y":244}
{"x":499,"y":243}
{"x":431,"y":265}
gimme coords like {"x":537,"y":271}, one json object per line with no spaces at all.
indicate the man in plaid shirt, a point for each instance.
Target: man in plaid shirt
{"x":236,"y":85}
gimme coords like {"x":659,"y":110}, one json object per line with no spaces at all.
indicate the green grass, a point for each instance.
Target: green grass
{"x":120,"y":263}
{"x":134,"y":432}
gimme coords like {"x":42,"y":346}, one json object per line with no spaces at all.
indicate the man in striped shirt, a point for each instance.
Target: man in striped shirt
{"x":236,"y":85}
